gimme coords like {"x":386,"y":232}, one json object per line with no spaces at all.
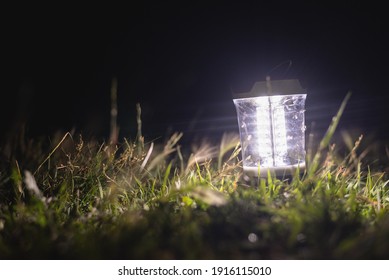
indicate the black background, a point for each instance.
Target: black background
{"x":182,"y":62}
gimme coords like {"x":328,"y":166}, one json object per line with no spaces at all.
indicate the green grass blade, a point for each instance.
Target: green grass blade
{"x":313,"y":167}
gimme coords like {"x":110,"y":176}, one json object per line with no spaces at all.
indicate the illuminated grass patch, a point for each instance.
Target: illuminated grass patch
{"x":135,"y":199}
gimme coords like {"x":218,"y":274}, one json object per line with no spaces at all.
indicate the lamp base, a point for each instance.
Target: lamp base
{"x":282,"y":171}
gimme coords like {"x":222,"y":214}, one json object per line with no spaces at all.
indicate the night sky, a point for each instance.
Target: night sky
{"x":182,"y":63}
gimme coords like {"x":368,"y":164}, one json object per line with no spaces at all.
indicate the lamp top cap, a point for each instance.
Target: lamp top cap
{"x":273,"y":87}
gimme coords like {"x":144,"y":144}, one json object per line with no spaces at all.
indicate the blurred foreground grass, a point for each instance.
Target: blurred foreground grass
{"x":76,"y":199}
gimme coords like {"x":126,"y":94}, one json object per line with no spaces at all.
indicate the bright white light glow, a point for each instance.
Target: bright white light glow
{"x":272,"y":146}
{"x":279,"y":136}
{"x":265,"y":146}
{"x":272,"y":133}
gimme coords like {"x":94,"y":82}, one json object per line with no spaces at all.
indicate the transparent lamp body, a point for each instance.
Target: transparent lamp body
{"x":272,"y":133}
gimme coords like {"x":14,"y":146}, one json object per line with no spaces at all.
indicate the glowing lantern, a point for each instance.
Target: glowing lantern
{"x":272,"y":127}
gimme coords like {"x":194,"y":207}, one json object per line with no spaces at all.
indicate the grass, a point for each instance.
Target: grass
{"x":77,"y":199}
